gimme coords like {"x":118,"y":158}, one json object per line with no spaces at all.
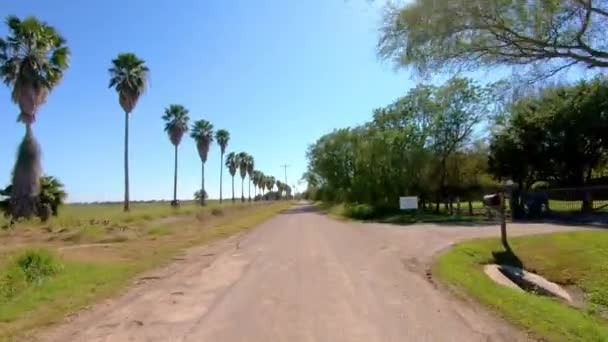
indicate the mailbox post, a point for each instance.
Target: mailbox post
{"x":497,"y":202}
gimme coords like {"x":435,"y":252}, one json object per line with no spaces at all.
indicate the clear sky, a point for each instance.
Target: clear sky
{"x":277,"y":74}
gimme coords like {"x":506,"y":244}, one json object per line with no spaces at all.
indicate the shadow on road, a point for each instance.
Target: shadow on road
{"x":303,"y":209}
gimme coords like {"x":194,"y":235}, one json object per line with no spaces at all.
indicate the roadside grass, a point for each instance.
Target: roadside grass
{"x":367,"y":213}
{"x":91,"y":272}
{"x":572,"y":259}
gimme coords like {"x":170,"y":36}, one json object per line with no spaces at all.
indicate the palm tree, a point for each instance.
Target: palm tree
{"x":128,"y":75}
{"x":256,"y":182}
{"x":270,"y":183}
{"x":202,"y":133}
{"x":242,"y":159}
{"x":279,"y":188}
{"x":250,"y":167}
{"x":176,"y":124}
{"x":52,"y":195}
{"x":232,"y":164}
{"x":222,"y":137}
{"x":262,"y":183}
{"x":33,"y":58}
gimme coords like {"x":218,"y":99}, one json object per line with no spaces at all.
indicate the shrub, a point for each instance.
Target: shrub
{"x":38,"y":264}
{"x":359,"y":211}
{"x":217,"y":212}
{"x":28,"y":268}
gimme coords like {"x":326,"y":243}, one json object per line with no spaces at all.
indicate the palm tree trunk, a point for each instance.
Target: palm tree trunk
{"x":242,"y":189}
{"x":126,"y":203}
{"x":232,"y":189}
{"x":203,"y":183}
{"x":175,"y":178}
{"x":221,"y":172}
{"x":249,"y":195}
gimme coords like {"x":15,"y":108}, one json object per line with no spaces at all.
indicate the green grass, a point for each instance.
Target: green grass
{"x":577,"y":259}
{"x":83,"y":281}
{"x":159,"y":231}
{"x":359,"y":212}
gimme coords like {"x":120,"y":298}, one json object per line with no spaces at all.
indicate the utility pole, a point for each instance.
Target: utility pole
{"x":285,"y":166}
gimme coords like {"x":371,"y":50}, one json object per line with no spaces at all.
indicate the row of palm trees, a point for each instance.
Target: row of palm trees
{"x":33,"y":59}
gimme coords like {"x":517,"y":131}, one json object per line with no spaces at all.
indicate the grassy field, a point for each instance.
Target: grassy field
{"x":576,"y":260}
{"x":99,"y":249}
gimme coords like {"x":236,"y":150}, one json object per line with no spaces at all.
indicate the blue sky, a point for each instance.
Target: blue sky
{"x":277,"y":74}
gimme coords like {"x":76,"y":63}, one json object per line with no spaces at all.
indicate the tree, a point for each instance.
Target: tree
{"x":222,"y":137}
{"x":261,"y":183}
{"x":198,"y":197}
{"x":33,"y":58}
{"x":255,"y":180}
{"x":129,"y":76}
{"x":547,"y":35}
{"x":232,"y":163}
{"x":250,"y":169}
{"x":176,"y":124}
{"x":202,"y":133}
{"x":243,"y":160}
{"x":557,"y":135}
{"x":52,"y":196}
{"x":270,"y":181}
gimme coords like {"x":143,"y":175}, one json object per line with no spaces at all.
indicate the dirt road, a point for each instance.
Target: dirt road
{"x":300,"y":277}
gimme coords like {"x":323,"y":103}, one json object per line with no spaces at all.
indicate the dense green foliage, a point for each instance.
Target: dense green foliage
{"x":422,"y":144}
{"x":459,"y":140}
{"x":545,"y":36}
{"x":558,"y":135}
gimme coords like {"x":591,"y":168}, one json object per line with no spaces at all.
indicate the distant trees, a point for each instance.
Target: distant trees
{"x":417,"y":145}
{"x":33,"y":58}
{"x":129,"y":76}
{"x":546,"y":35}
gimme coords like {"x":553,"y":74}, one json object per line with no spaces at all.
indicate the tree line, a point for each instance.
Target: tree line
{"x":541,"y":134}
{"x":460,"y":140}
{"x":33,"y":59}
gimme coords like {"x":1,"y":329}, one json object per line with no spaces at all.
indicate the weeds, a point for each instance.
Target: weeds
{"x":31,"y":267}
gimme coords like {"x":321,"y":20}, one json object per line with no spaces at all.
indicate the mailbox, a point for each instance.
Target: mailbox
{"x":492,"y":200}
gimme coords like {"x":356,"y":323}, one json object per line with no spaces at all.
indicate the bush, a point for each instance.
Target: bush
{"x":38,"y":264}
{"x":359,"y":211}
{"x":29,"y":268}
{"x":217,"y":212}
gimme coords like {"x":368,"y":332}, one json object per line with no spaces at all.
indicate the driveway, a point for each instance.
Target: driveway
{"x":301,"y":276}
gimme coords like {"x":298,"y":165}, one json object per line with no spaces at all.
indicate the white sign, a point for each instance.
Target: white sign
{"x":410,"y":202}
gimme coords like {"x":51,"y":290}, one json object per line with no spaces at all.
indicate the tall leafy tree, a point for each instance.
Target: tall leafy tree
{"x":232,"y":163}
{"x":222,"y":137}
{"x":128,"y":76}
{"x":250,"y":169}
{"x":547,"y":35}
{"x":243,"y":160}
{"x":176,"y":124}
{"x":202,"y":133}
{"x":33,"y":58}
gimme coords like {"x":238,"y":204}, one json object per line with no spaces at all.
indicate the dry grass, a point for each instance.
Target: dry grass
{"x":101,"y":253}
